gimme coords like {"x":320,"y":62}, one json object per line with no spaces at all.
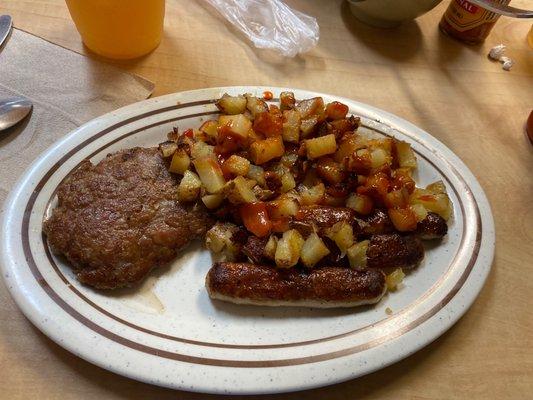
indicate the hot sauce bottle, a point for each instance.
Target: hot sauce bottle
{"x":468,"y":22}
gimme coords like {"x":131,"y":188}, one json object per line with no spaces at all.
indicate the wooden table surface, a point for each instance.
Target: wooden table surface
{"x":451,"y":90}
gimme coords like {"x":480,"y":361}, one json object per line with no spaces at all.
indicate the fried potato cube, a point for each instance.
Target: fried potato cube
{"x":314,"y":106}
{"x":237,"y":125}
{"x":348,"y":145}
{"x":255,"y":105}
{"x":313,"y":250}
{"x":342,"y":234}
{"x":379,"y":157}
{"x":287,"y":181}
{"x":254,"y":136}
{"x":378,"y":183}
{"x":200,"y":136}
{"x":320,"y":146}
{"x":263,"y":194}
{"x":396,"y":198}
{"x":402,"y":179}
{"x":237,"y":165}
{"x":403,"y":219}
{"x":385,"y":144}
{"x":357,"y":254}
{"x":239,"y":191}
{"x":289,"y":160}
{"x":257,"y":174}
{"x":312,"y":195}
{"x":336,"y":110}
{"x":212,"y":201}
{"x":330,"y":171}
{"x":437,"y":187}
{"x":434,"y":199}
{"x":209,"y":128}
{"x":168,"y":148}
{"x":210,"y":173}
{"x":359,"y":162}
{"x":420,"y":211}
{"x":405,"y":155}
{"x":266,"y":150}
{"x":288,"y":249}
{"x":189,"y":187}
{"x":438,"y":203}
{"x":286,"y":100}
{"x":270,"y":247}
{"x":180,"y":162}
{"x":361,"y":203}
{"x":200,"y":150}
{"x":393,"y":279}
{"x":308,"y":125}
{"x":219,"y":239}
{"x":291,"y":126}
{"x":283,"y":208}
{"x":231,"y":104}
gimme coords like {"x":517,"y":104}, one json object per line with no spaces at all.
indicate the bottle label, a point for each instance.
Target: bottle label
{"x":463,"y":15}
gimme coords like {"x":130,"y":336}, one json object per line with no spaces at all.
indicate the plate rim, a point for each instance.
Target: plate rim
{"x":380,"y":115}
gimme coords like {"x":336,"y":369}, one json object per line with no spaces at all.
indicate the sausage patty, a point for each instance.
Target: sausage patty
{"x":326,"y":287}
{"x":117,"y":220}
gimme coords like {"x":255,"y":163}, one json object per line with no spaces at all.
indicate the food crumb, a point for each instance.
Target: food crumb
{"x":507,"y":63}
{"x":497,"y":52}
{"x":388,"y":311}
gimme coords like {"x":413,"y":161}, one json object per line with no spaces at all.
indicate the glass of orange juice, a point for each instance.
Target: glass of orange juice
{"x":119,"y":29}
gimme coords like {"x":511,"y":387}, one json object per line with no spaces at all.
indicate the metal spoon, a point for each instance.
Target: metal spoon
{"x":13,"y":110}
{"x":497,"y":7}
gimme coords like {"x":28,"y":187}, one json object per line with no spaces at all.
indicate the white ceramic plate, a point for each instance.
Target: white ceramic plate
{"x":168,"y":332}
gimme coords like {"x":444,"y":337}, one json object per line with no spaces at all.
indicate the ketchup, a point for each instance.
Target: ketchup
{"x":268,"y":95}
{"x":227,"y":142}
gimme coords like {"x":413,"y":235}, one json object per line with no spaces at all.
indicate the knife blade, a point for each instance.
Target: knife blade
{"x":5,"y":27}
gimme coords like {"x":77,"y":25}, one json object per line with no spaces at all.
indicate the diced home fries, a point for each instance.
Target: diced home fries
{"x":259,"y":163}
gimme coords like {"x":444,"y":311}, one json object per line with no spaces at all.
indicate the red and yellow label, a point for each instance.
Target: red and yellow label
{"x":463,"y":15}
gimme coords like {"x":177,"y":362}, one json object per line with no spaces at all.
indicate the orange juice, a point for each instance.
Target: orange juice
{"x":119,"y":28}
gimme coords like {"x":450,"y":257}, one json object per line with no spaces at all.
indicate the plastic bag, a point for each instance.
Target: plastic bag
{"x":271,"y":24}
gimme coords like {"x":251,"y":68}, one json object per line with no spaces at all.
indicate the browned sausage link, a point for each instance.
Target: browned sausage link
{"x":376,"y":223}
{"x":261,"y":284}
{"x":432,"y":227}
{"x":394,"y":251}
{"x":325,"y":216}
